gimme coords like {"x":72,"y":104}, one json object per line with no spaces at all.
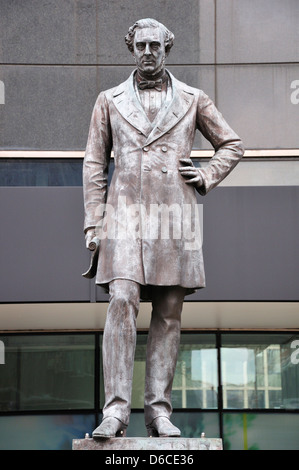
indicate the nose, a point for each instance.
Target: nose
{"x":147,"y":50}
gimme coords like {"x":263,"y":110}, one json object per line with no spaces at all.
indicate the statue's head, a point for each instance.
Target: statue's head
{"x":150,"y":42}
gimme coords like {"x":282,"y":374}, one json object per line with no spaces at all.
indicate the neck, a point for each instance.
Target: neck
{"x":148,"y":76}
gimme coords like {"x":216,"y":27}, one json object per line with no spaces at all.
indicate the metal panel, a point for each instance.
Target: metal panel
{"x":250,"y":245}
{"x":42,"y":245}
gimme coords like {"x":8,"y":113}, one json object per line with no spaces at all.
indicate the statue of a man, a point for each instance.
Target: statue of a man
{"x":150,"y":122}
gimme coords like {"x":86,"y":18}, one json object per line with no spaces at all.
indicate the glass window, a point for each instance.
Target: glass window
{"x":40,"y":172}
{"x":56,"y":372}
{"x":44,"y":432}
{"x":47,"y":372}
{"x":260,"y":431}
{"x":43,"y":171}
{"x":193,"y":424}
{"x":195,"y":383}
{"x":260,"y":371}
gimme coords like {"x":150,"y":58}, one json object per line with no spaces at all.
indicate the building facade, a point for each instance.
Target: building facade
{"x":238,"y":370}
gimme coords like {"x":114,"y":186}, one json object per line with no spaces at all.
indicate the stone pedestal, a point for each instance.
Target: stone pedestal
{"x":147,"y":443}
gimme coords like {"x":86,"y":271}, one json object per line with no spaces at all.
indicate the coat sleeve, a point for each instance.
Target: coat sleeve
{"x":228,"y":146}
{"x":96,"y":163}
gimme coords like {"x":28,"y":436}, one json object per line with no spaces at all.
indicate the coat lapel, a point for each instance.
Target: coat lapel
{"x":170,"y":115}
{"x":127,"y":103}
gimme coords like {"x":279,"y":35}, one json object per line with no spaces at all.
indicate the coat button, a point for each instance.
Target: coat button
{"x":164,"y":169}
{"x":164,"y":148}
{"x":146,"y":149}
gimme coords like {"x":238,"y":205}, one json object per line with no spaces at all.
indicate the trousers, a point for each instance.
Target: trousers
{"x":119,"y":343}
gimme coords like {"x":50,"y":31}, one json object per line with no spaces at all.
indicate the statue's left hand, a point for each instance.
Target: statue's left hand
{"x":192,"y":174}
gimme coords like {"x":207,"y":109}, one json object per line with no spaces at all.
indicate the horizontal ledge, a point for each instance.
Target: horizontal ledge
{"x":251,"y":153}
{"x":145,"y":443}
{"x":196,"y":315}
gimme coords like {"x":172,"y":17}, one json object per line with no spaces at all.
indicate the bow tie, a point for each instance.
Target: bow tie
{"x":157,"y":84}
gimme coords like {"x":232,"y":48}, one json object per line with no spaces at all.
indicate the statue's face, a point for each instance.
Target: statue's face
{"x":149,"y":50}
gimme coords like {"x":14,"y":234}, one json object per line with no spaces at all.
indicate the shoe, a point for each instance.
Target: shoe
{"x":162,"y":427}
{"x":110,"y":427}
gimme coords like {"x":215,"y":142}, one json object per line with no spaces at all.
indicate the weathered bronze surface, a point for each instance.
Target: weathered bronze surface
{"x":147,"y":222}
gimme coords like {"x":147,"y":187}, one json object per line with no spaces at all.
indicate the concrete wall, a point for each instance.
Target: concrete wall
{"x":55,"y":57}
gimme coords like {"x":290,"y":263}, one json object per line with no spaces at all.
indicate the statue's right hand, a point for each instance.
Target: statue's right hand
{"x":93,"y":245}
{"x":90,"y":234}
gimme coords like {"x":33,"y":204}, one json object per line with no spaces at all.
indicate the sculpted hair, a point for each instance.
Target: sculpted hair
{"x":149,"y":23}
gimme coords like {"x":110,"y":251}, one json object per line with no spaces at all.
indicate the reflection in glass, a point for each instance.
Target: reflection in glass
{"x":258,"y":372}
{"x":195,"y":382}
{"x":47,"y":372}
{"x":260,"y":431}
{"x":43,"y":432}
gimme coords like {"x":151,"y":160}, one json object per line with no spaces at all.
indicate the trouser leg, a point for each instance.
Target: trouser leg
{"x":162,"y":350}
{"x":119,"y":342}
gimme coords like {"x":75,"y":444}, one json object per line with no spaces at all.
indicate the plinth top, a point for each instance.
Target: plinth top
{"x":148,"y":443}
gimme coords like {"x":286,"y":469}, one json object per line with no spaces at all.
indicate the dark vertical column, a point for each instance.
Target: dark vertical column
{"x":220,"y":400}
